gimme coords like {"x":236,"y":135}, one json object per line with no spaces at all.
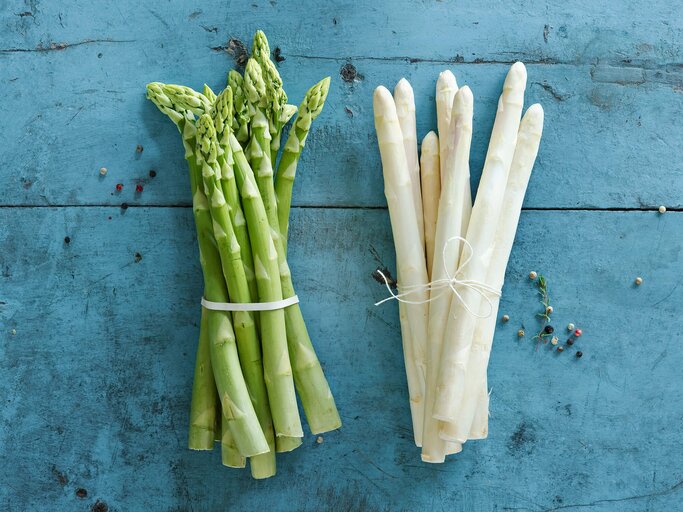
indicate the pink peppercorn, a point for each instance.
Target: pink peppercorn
{"x":578,"y":332}
{"x":138,"y":188}
{"x":119,"y":187}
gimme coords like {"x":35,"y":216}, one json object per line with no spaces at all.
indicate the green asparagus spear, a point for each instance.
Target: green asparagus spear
{"x":230,"y":455}
{"x":222,"y":115}
{"x":275,"y":94}
{"x":209,"y":94}
{"x":311,"y":384}
{"x":276,"y":365}
{"x":248,"y":345}
{"x":310,"y":108}
{"x":240,"y":121}
{"x":203,"y":411}
{"x":287,"y":444}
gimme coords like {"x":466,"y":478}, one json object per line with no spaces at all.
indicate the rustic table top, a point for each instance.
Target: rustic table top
{"x":98,"y":333}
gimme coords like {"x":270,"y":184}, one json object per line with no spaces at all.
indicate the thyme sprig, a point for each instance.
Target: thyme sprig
{"x":546,"y":331}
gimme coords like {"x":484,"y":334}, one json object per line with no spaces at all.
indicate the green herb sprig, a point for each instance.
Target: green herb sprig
{"x":546,"y":331}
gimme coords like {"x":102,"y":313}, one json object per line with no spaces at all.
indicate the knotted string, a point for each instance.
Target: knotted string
{"x":450,"y":281}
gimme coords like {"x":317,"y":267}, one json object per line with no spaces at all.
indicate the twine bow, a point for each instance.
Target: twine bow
{"x":449,"y":282}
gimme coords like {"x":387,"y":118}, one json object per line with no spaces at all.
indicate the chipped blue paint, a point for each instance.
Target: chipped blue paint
{"x":96,"y":349}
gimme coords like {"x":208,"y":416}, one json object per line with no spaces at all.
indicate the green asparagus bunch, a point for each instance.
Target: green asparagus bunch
{"x":250,"y":364}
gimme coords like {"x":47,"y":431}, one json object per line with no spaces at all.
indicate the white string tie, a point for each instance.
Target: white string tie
{"x":250,"y":306}
{"x":451,"y":282}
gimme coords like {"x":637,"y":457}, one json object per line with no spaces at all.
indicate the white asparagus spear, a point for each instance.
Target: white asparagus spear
{"x":416,"y":397}
{"x":446,"y":87}
{"x":431,"y":191}
{"x":480,"y":235}
{"x":410,"y":258}
{"x":453,"y":448}
{"x":480,"y":424}
{"x":457,"y":177}
{"x":472,"y":419}
{"x":405,"y":109}
{"x":404,"y":99}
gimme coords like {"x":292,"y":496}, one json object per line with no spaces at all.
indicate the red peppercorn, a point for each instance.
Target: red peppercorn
{"x":138,"y":188}
{"x":560,"y":348}
{"x":578,"y":332}
{"x":119,"y":187}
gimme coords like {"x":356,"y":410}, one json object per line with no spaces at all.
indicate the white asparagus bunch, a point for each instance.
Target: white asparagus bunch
{"x":480,"y":235}
{"x":451,"y":257}
{"x":410,"y":257}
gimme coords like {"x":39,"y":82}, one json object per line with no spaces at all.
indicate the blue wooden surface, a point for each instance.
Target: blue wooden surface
{"x":96,"y":349}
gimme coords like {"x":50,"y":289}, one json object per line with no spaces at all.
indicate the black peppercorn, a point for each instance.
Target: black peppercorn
{"x":67,"y":240}
{"x":570,"y":342}
{"x":548,"y":329}
{"x":124,"y":206}
{"x":152,"y":173}
{"x":579,"y":354}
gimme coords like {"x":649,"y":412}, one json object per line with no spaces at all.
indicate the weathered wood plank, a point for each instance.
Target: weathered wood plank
{"x":95,"y":383}
{"x":605,"y":145}
{"x":535,"y":30}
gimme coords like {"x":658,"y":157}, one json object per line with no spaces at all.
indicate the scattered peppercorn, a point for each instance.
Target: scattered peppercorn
{"x":119,"y":187}
{"x":579,"y":354}
{"x":533,"y":275}
{"x":138,"y":257}
{"x":520,"y":333}
{"x":13,"y":332}
{"x":139,"y":148}
{"x":103,"y":171}
{"x":81,"y":493}
{"x":549,"y":310}
{"x":152,"y":173}
{"x":138,"y":188}
{"x":505,"y":318}
{"x":639,"y":281}
{"x":124,"y":206}
{"x":67,"y":240}
{"x":277,"y":54}
{"x":319,"y":440}
{"x":570,"y":327}
{"x":560,"y":348}
{"x":662,"y":209}
{"x":578,"y":332}
{"x":548,"y":329}
{"x":554,"y":340}
{"x":110,"y":217}
{"x":570,"y":341}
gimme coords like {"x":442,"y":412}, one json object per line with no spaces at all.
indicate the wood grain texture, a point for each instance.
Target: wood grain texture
{"x":98,"y":335}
